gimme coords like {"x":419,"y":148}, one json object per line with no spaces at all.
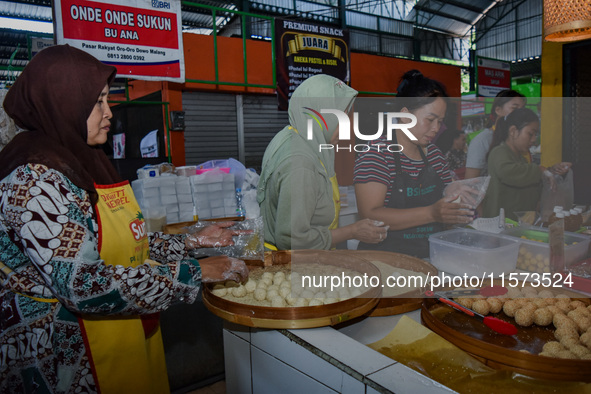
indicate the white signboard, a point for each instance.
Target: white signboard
{"x":142,"y":38}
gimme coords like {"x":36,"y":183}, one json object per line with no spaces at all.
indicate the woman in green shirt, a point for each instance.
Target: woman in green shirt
{"x":515,"y":184}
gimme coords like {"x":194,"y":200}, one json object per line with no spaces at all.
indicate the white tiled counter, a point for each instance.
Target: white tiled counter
{"x":318,"y":360}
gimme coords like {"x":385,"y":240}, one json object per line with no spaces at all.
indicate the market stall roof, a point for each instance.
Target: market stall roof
{"x":450,"y":17}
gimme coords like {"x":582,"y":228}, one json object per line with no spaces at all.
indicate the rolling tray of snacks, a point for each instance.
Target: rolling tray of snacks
{"x":266,"y":301}
{"x":566,"y":350}
{"x":395,"y":301}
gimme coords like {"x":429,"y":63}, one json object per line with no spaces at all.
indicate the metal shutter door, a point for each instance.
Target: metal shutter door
{"x":262,"y":120}
{"x":210,"y":126}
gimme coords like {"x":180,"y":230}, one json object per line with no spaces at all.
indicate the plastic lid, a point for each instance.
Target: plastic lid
{"x":557,"y":208}
{"x":566,"y":214}
{"x":560,"y":215}
{"x":574,"y":212}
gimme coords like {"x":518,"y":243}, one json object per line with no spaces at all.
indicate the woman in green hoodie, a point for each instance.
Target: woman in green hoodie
{"x":298,"y":193}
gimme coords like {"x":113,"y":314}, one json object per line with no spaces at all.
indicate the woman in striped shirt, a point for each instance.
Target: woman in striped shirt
{"x":404,"y":189}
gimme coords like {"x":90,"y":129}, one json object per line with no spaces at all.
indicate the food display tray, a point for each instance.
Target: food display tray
{"x":299,"y":317}
{"x":502,"y":351}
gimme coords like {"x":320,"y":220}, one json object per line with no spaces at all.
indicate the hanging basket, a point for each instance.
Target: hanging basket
{"x":567,"y":20}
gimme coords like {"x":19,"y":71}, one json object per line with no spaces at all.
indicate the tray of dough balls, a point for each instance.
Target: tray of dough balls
{"x":405,"y":274}
{"x":297,"y":289}
{"x":553,"y":339}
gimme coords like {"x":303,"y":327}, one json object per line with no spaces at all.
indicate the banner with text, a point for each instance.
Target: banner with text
{"x":493,"y":76}
{"x":306,"y":49}
{"x":142,"y":38}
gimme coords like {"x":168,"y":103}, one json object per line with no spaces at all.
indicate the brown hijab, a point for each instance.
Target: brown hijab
{"x":52,"y":99}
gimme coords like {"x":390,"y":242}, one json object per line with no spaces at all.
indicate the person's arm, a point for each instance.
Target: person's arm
{"x":370,"y":204}
{"x":512,"y":172}
{"x":476,"y":156}
{"x":299,"y":191}
{"x":57,"y":232}
{"x":472,"y":172}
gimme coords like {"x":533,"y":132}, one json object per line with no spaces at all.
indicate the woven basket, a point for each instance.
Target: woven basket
{"x":567,"y":20}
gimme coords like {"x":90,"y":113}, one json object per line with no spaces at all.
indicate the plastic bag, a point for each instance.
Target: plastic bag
{"x":246,"y":246}
{"x":469,"y":191}
{"x":249,"y":194}
{"x":557,"y":190}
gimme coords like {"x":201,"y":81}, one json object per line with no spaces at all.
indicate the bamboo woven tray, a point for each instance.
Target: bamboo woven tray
{"x":501,"y":351}
{"x":299,"y":317}
{"x":406,"y":302}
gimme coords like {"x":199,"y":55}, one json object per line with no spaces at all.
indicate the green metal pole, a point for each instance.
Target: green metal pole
{"x":215,"y":46}
{"x":243,"y":20}
{"x":273,"y":60}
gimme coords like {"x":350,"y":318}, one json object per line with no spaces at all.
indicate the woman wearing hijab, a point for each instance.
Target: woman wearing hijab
{"x":298,"y":191}
{"x":79,"y":294}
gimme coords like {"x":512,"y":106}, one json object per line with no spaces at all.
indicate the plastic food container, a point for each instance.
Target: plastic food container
{"x":534,"y":253}
{"x":473,"y":253}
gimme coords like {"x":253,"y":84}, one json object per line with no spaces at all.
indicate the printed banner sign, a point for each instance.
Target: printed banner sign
{"x":493,"y":76}
{"x":306,"y":49}
{"x":142,"y":38}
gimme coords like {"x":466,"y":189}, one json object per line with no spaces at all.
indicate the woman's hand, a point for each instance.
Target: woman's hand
{"x":560,"y":168}
{"x":369,"y":231}
{"x":446,"y":211}
{"x":222,"y":268}
{"x":213,"y":236}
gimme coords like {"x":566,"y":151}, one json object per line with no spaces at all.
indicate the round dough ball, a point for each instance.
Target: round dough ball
{"x":543,"y":317}
{"x":481,"y":306}
{"x":524,"y":317}
{"x":316,"y":302}
{"x":267,"y":275}
{"x":277,"y":302}
{"x":307,"y":294}
{"x":250,"y":285}
{"x":260,"y":294}
{"x":583,"y":322}
{"x":570,"y":342}
{"x":583,"y":311}
{"x":563,"y":296}
{"x":546,"y":294}
{"x":320,"y":295}
{"x":540,"y":303}
{"x":550,"y":300}
{"x":285,"y":283}
{"x":579,"y":350}
{"x":273,"y":287}
{"x":261,"y":284}
{"x":219,"y":290}
{"x":284,"y":291}
{"x":278,"y":279}
{"x":330,"y":300}
{"x":272,"y":294}
{"x":564,"y":305}
{"x":495,"y":305}
{"x":566,"y":354}
{"x":513,"y":292}
{"x":239,"y":291}
{"x":552,"y":347}
{"x":301,"y":302}
{"x":268,"y":281}
{"x":562,"y":333}
{"x":555,"y":310}
{"x":586,"y":357}
{"x":522,"y":302}
{"x":576,"y":304}
{"x":465,"y":301}
{"x":510,"y":307}
{"x":563,"y":321}
{"x":586,"y":339}
{"x":344,"y":294}
{"x":530,"y":292}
